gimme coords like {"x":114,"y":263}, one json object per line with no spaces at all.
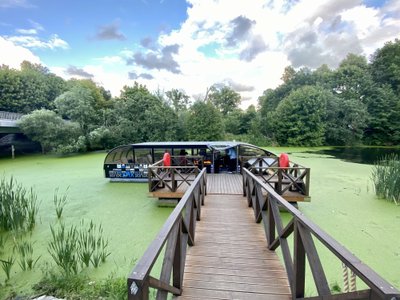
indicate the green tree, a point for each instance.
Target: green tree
{"x":299,"y":118}
{"x":49,"y":129}
{"x":79,"y":105}
{"x":141,"y":116}
{"x":11,"y":90}
{"x":385,"y":65}
{"x":33,"y":87}
{"x":224,"y":98}
{"x":205,"y":122}
{"x":177,"y":99}
{"x":345,"y":122}
{"x":384,"y":121}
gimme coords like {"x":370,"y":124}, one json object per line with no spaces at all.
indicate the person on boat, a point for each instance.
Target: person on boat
{"x":167,"y":161}
{"x":232,"y":159}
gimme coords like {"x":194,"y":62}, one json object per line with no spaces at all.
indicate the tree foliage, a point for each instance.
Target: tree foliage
{"x":50,"y":130}
{"x":299,"y":118}
{"x":31,"y":88}
{"x":224,"y":98}
{"x":358,"y":102}
{"x":204,"y":123}
{"x":140,"y":116}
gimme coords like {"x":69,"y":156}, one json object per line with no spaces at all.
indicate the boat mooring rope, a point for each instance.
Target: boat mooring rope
{"x":345,"y":278}
{"x":346,"y":287}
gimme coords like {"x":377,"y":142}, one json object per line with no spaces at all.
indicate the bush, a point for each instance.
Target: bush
{"x":386,"y":178}
{"x":81,"y":287}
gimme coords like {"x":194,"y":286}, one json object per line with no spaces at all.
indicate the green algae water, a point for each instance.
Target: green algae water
{"x":130,"y":218}
{"x":342,"y":203}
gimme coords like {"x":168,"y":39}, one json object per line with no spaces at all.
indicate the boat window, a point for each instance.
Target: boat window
{"x":143,"y":156}
{"x":245,"y":150}
{"x":159,"y":154}
{"x":118,"y":155}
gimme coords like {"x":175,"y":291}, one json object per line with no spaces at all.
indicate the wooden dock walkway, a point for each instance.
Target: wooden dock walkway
{"x":214,"y":249}
{"x":231,"y":259}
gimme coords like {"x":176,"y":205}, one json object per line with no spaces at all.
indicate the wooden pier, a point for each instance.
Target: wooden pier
{"x":221,"y":245}
{"x":231,"y":259}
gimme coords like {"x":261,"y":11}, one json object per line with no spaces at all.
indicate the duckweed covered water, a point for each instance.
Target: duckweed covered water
{"x":130,"y":218}
{"x":342,"y":203}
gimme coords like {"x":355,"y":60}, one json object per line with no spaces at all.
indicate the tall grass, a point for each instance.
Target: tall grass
{"x":18,"y":206}
{"x":25,"y":250}
{"x":78,"y":246}
{"x":6,"y":265}
{"x":59,"y":202}
{"x":63,"y":248}
{"x":386,"y":178}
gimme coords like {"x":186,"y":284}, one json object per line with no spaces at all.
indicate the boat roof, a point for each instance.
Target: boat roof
{"x":191,"y":144}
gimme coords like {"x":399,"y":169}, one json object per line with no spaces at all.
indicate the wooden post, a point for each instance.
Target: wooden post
{"x":173,"y":181}
{"x":12,"y":152}
{"x":299,"y":264}
{"x":279,"y":186}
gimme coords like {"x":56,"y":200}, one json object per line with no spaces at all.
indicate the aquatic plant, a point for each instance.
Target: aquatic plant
{"x":2,"y":243}
{"x":386,"y":178}
{"x":25,"y":251}
{"x":92,"y":245}
{"x":59,"y":202}
{"x":6,"y":265}
{"x":63,"y":248}
{"x":18,"y":207}
{"x":85,"y":245}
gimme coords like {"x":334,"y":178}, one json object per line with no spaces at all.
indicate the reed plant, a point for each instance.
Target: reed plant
{"x":63,"y":248}
{"x":92,"y":245}
{"x":59,"y":202}
{"x":2,"y":243}
{"x":18,"y":206}
{"x":25,"y":250}
{"x":78,"y":246}
{"x":386,"y":178}
{"x":7,"y":265}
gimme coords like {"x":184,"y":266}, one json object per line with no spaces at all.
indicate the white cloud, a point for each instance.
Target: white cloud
{"x":31,"y":31}
{"x":13,"y":55}
{"x":213,"y":49}
{"x":29,"y":41}
{"x":112,"y":80}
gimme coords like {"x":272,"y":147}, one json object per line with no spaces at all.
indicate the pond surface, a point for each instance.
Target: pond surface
{"x":361,"y":155}
{"x":343,"y":204}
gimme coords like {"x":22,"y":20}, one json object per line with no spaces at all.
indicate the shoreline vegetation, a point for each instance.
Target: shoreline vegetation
{"x":342,"y":201}
{"x":357,"y":103}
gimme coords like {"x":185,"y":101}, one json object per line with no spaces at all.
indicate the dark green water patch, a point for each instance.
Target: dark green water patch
{"x":362,"y":155}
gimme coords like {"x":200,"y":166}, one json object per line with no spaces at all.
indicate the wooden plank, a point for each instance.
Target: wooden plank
{"x":231,"y":259}
{"x":274,"y":273}
{"x":196,"y":293}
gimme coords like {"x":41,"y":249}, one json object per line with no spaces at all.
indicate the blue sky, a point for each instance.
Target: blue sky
{"x":191,"y":44}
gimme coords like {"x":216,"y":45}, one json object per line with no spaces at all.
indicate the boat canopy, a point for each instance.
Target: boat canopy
{"x":139,"y":156}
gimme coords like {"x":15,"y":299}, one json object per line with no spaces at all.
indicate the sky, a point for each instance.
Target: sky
{"x":194,"y":44}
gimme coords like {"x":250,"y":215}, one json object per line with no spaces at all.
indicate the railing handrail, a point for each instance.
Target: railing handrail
{"x":5,"y":115}
{"x":369,"y":276}
{"x":258,"y":158}
{"x":143,"y":267}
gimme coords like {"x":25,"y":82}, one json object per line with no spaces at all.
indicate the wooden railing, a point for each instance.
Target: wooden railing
{"x":266,"y":204}
{"x":10,"y":115}
{"x":295,"y":178}
{"x":184,"y":170}
{"x":177,"y":232}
